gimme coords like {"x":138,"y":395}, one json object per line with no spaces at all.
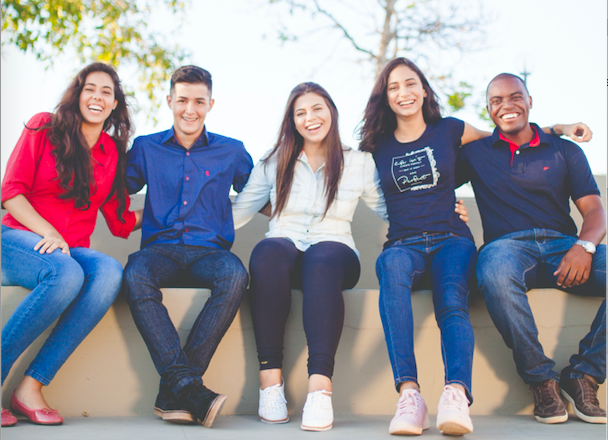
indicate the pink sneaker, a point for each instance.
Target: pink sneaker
{"x":411,"y":417}
{"x":453,"y":412}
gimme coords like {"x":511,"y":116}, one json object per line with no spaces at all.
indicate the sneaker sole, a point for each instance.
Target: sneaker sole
{"x":453,"y":428}
{"x":405,"y":429}
{"x":274,"y":422}
{"x":580,"y":415}
{"x":552,"y":420}
{"x":316,"y":428}
{"x":214,"y":410}
{"x":182,"y":417}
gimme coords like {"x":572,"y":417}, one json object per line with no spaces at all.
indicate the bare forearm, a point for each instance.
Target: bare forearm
{"x":594,"y":226}
{"x":22,"y":210}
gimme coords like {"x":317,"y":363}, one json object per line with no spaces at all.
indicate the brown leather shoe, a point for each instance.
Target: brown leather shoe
{"x":548,"y":404}
{"x":582,"y":394}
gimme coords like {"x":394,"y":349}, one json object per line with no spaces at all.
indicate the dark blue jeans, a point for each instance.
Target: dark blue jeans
{"x":515,"y":263}
{"x":171,"y":265}
{"x":450,"y":259}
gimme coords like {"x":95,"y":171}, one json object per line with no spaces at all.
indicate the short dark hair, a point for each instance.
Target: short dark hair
{"x":503,"y":76}
{"x":192,"y":75}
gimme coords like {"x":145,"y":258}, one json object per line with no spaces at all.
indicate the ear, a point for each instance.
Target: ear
{"x":169,"y":100}
{"x":530,"y":101}
{"x":424,"y":92}
{"x":211,"y":102}
{"x":115,"y":104}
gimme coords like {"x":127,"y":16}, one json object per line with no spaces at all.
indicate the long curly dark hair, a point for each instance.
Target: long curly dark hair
{"x":290,"y":143}
{"x":74,"y":163}
{"x":379,"y":119}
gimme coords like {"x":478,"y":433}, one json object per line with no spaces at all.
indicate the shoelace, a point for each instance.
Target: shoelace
{"x":545,"y":395}
{"x":452,"y":398}
{"x":408,"y":405}
{"x":317,"y":404}
{"x":273,"y":397}
{"x":589,"y":391}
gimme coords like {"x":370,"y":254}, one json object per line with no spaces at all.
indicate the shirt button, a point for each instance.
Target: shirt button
{"x":187,"y":178}
{"x":187,"y":153}
{"x":187,"y":229}
{"x":185,"y":203}
{"x":69,"y":212}
{"x":517,"y":152}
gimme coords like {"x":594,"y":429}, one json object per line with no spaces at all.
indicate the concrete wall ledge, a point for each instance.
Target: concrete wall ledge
{"x":111,"y":373}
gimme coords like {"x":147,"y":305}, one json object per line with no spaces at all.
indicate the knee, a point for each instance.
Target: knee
{"x":269,"y":252}
{"x":135,"y":277}
{"x":67,"y":274}
{"x":233,"y":272}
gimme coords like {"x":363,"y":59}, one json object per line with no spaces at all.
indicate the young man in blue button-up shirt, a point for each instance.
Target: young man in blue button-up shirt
{"x":523,"y":180}
{"x":187,"y":233}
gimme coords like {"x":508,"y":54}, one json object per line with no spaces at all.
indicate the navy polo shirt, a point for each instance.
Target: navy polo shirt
{"x":187,"y":196}
{"x":531,"y":192}
{"x":418,"y":181}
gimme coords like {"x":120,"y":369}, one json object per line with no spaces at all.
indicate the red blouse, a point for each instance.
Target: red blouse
{"x":31,"y":171}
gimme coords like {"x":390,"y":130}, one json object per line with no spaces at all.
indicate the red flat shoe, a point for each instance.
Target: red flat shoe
{"x":8,"y":419}
{"x":44,"y":416}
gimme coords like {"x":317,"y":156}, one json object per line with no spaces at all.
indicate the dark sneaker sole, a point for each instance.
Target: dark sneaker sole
{"x":214,"y":410}
{"x":582,"y":416}
{"x":181,"y":417}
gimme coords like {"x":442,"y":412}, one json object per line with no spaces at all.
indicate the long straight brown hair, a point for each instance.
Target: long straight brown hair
{"x":74,"y":163}
{"x":290,"y":143}
{"x":379,"y":119}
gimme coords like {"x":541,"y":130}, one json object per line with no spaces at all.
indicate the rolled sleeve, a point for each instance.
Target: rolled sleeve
{"x":117,"y":227}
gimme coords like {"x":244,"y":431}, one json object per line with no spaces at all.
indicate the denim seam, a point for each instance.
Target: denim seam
{"x":35,"y":302}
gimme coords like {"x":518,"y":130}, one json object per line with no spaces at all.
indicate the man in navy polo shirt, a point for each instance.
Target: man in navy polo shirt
{"x":523,"y":180}
{"x":187,"y":232}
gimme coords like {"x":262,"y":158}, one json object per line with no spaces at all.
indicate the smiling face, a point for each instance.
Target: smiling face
{"x":312,"y":118}
{"x":509,"y":105}
{"x":405,"y":93}
{"x":97,"y":100}
{"x":190,"y":104}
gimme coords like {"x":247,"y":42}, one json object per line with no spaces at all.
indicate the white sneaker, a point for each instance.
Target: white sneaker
{"x":318,"y":413}
{"x":453,"y":412}
{"x":412,"y":416}
{"x":273,"y":406}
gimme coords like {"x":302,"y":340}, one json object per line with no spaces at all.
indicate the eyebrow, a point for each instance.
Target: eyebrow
{"x":195,"y":99}
{"x":514,"y":93}
{"x":405,"y":80}
{"x":314,"y":105}
{"x":93,"y":84}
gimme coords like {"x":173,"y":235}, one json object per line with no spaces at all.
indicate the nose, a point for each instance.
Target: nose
{"x":190,"y":107}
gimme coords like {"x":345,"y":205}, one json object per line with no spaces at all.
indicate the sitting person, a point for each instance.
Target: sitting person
{"x":187,"y":233}
{"x":64,"y":169}
{"x":523,"y":181}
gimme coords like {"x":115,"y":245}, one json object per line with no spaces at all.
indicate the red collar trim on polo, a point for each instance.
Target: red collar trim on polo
{"x":535,"y":142}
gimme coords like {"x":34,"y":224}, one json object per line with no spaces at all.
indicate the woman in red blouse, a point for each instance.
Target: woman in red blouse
{"x":65,"y":167}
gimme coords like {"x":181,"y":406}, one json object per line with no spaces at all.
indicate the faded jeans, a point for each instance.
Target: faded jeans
{"x":450,"y":259}
{"x":517,"y":262}
{"x":78,"y":289}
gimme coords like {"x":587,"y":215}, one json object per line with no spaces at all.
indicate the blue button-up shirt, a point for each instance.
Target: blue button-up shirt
{"x":187,"y":200}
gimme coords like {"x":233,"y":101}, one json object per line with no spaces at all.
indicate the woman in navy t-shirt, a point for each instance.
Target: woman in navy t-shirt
{"x":415,"y":151}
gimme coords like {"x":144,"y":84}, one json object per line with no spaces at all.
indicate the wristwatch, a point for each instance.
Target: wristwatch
{"x":587,"y":245}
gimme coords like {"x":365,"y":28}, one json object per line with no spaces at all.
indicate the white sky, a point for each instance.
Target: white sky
{"x":563,"y":43}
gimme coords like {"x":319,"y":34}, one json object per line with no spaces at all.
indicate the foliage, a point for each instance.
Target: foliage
{"x":421,"y":30}
{"x":112,"y":31}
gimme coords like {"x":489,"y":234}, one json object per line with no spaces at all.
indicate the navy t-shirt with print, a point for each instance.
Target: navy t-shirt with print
{"x":418,"y":181}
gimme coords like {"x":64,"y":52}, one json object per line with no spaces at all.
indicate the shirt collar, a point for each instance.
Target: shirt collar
{"x":540,"y":137}
{"x":202,"y":141}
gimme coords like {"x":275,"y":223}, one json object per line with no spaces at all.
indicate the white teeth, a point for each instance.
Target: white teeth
{"x":95,"y":108}
{"x":509,"y":116}
{"x":313,"y":127}
{"x":406,"y":102}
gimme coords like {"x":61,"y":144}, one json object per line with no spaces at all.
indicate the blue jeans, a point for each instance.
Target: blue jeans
{"x":515,"y":263}
{"x":78,"y":289}
{"x":171,"y":265}
{"x":450,"y":260}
